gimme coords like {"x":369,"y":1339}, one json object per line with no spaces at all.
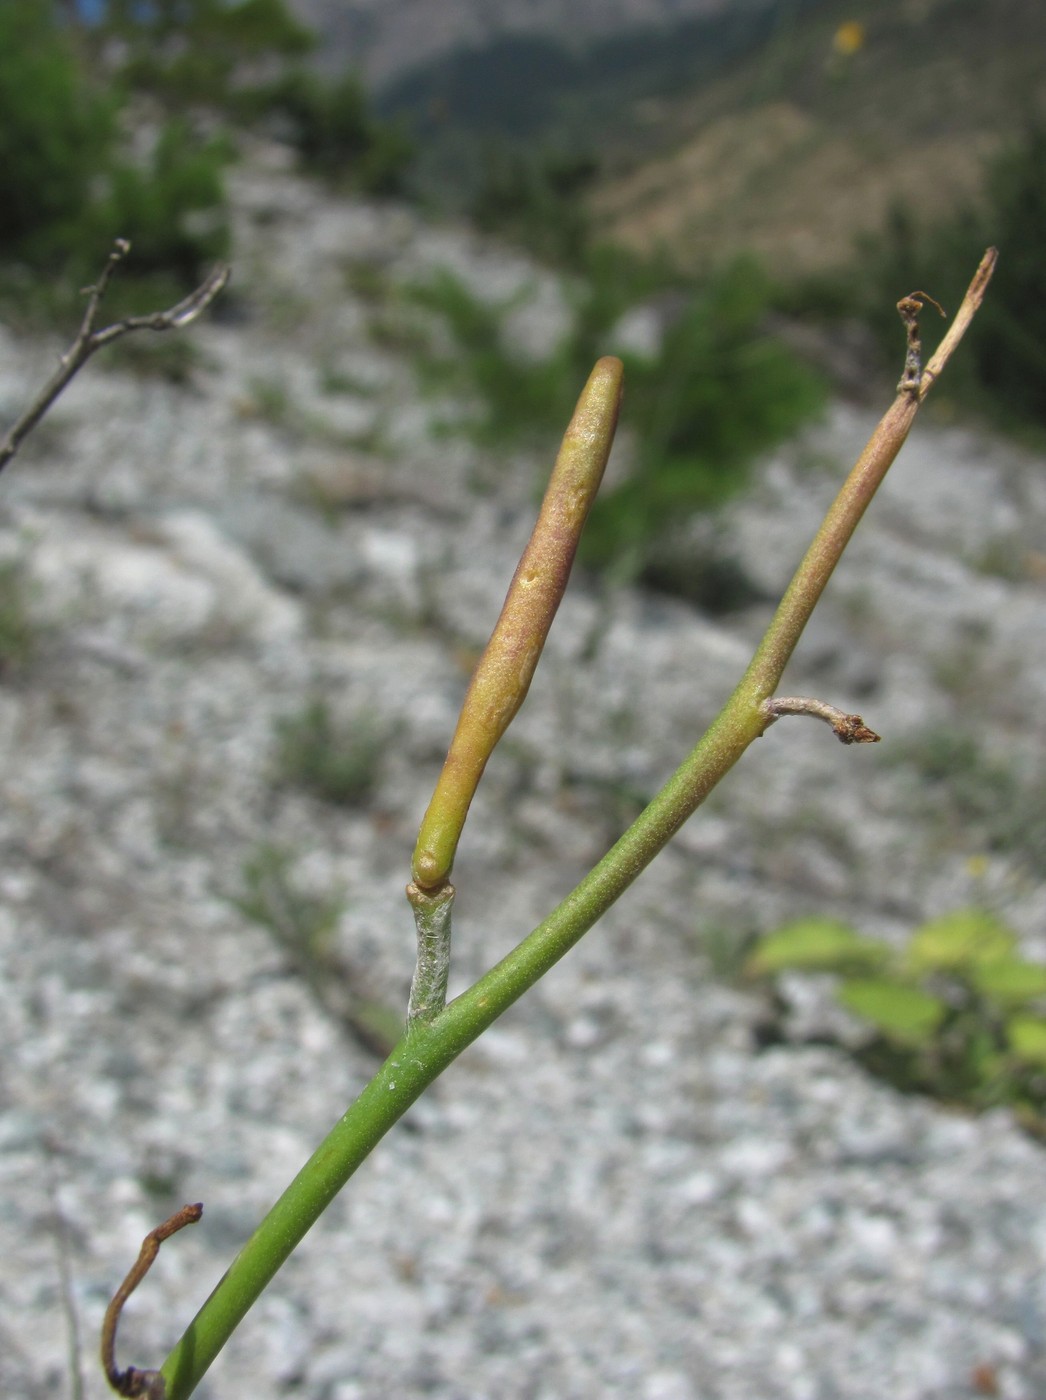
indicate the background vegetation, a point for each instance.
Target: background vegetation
{"x":957,"y":1013}
{"x":125,"y":127}
{"x":1003,"y":371}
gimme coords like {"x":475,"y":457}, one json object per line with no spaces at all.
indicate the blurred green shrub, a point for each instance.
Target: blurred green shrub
{"x":332,"y":127}
{"x":514,"y":398}
{"x":299,"y":919}
{"x":201,"y":51}
{"x":537,"y":200}
{"x":66,"y":188}
{"x":717,"y":390}
{"x":56,"y":133}
{"x":957,"y":1014}
{"x":1002,"y":369}
{"x":172,"y":206}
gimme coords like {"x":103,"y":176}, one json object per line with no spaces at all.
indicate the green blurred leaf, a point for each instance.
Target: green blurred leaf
{"x":984,"y":1059}
{"x":901,"y":1012}
{"x":959,"y":942}
{"x":815,"y":945}
{"x":1009,"y":981}
{"x":1027,"y":1037}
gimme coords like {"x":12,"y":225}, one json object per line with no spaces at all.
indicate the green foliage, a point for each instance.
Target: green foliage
{"x":1003,"y":365}
{"x":186,"y":51}
{"x":66,"y":190}
{"x":719,"y":390}
{"x":815,"y":945}
{"x":536,"y":200}
{"x":332,"y":127}
{"x":56,"y":130}
{"x":172,"y":209}
{"x":245,"y":60}
{"x":513,"y":396}
{"x":905,"y":1015}
{"x":958,"y":1013}
{"x":339,"y":763}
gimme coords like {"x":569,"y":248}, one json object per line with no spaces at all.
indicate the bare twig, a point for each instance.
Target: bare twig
{"x":848,"y":729}
{"x":134,"y":1382}
{"x":88,"y":340}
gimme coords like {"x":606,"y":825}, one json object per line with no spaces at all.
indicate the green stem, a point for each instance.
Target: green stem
{"x":429,"y":1047}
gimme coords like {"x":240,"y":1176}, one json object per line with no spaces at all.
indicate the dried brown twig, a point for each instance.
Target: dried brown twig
{"x":848,"y":729}
{"x":88,"y":340}
{"x":134,"y":1382}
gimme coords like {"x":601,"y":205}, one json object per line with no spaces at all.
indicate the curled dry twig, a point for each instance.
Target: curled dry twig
{"x":89,"y":340}
{"x":134,"y":1382}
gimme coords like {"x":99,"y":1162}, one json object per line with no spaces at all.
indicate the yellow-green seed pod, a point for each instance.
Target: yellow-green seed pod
{"x":502,"y":678}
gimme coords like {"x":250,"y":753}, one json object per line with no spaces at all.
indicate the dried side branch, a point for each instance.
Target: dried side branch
{"x":848,"y":729}
{"x":134,"y":1382}
{"x":88,"y":340}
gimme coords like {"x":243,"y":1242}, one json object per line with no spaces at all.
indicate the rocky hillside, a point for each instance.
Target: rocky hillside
{"x":245,"y":605}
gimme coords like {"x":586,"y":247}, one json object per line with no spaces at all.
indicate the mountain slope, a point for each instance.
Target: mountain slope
{"x":812,"y":139}
{"x":387,"y":38}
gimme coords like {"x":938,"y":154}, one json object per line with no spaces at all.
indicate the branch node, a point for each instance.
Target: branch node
{"x":133,"y":1382}
{"x":428,"y":987}
{"x":848,"y":729}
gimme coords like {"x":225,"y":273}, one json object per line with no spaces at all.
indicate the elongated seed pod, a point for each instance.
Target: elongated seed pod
{"x":503,"y":675}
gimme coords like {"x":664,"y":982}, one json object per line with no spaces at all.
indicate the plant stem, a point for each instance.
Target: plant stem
{"x":429,"y":1047}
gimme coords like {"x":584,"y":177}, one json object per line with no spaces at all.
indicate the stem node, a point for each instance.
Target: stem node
{"x":428,"y":988}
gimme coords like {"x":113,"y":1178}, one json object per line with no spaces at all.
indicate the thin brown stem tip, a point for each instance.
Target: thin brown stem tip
{"x":970,"y":305}
{"x":134,"y":1382}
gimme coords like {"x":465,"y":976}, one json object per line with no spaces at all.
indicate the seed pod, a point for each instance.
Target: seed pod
{"x":502,"y":678}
